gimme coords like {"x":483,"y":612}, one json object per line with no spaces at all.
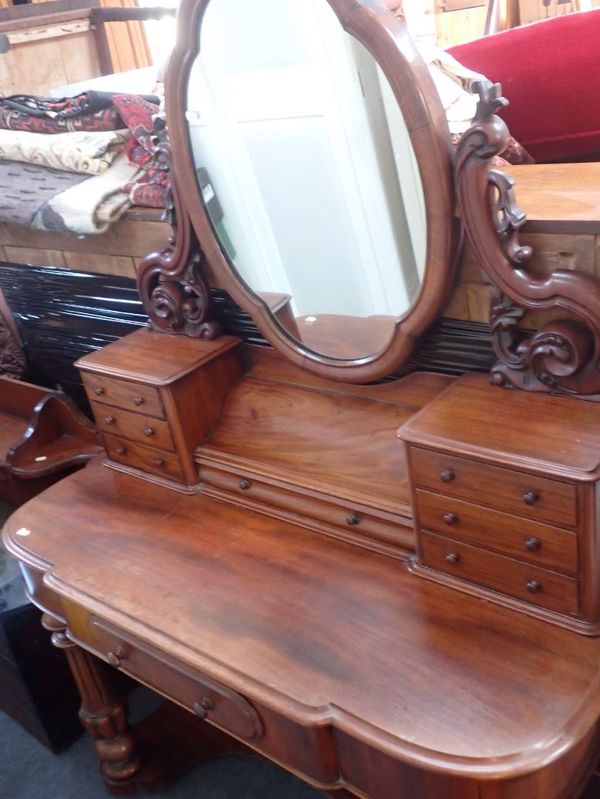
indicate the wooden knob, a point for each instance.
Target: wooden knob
{"x":447,"y":475}
{"x":149,"y":431}
{"x":452,"y":558}
{"x":530,"y":497}
{"x":202,"y":707}
{"x":115,"y":658}
{"x":110,"y":419}
{"x":353,"y":519}
{"x":138,"y":400}
{"x":534,"y":586}
{"x":121,"y":450}
{"x":98,"y":391}
{"x":160,"y":462}
{"x":533,"y":544}
{"x":450,"y":518}
{"x":245,"y":484}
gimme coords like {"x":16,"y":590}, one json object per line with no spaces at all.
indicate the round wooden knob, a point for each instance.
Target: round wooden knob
{"x":121,"y":450}
{"x":110,"y":419}
{"x":534,"y":586}
{"x":450,"y":518}
{"x":115,"y":658}
{"x":138,"y":400}
{"x":452,"y":558}
{"x":202,"y":707}
{"x":149,"y":431}
{"x":160,"y":462}
{"x":447,"y":475}
{"x":98,"y":391}
{"x":353,"y":519}
{"x":245,"y":484}
{"x":530,"y":497}
{"x":533,"y":544}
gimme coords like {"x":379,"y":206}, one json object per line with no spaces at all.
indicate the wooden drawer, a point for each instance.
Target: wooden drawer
{"x":520,"y":580}
{"x":546,"y":546}
{"x":347,"y":518}
{"x":206,"y":697}
{"x":516,"y":492}
{"x":135,"y":426}
{"x":121,"y":394}
{"x":155,"y":461}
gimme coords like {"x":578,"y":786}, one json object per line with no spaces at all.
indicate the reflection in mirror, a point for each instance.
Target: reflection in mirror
{"x":307,"y":172}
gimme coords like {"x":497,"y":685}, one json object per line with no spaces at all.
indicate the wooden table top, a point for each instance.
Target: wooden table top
{"x":559,"y":198}
{"x":313,"y":627}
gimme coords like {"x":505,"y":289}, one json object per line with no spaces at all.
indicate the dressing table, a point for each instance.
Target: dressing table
{"x":387,"y":585}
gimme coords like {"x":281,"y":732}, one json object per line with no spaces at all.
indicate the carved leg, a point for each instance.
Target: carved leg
{"x":103,"y":716}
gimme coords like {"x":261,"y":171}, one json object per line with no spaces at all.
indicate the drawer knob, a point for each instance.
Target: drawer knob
{"x":450,"y":518}
{"x":245,"y":484}
{"x":110,"y":419}
{"x":533,"y":544}
{"x":534,"y":586}
{"x":447,"y":475}
{"x":115,"y":658}
{"x":530,"y":497}
{"x":353,"y":519}
{"x":121,"y":450}
{"x":160,"y":463}
{"x":149,"y":431}
{"x":98,"y":391}
{"x":202,"y":707}
{"x":138,"y":400}
{"x":452,"y":558}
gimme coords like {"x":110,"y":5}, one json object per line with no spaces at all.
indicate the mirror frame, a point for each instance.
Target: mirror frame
{"x":385,"y":36}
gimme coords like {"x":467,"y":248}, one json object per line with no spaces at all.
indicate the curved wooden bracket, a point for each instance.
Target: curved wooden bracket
{"x":59,"y":437}
{"x":564,"y":356}
{"x":171,"y":282}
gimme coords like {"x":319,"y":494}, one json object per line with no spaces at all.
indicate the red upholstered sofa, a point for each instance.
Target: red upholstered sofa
{"x":550,"y":73}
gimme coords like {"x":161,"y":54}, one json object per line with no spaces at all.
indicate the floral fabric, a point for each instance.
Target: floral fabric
{"x":82,"y":152}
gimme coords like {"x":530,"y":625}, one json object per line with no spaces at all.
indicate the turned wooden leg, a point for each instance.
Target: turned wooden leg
{"x":103,"y":716}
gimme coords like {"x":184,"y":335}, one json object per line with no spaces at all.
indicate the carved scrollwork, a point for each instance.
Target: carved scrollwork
{"x":562,"y":357}
{"x":12,"y":355}
{"x":171,"y":282}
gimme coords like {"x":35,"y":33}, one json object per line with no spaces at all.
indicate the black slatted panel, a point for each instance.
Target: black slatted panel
{"x":63,"y":314}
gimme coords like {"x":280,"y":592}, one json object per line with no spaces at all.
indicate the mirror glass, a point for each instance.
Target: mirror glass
{"x":307,"y":172}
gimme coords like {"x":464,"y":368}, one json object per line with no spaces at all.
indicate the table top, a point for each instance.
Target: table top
{"x":558,"y":198}
{"x":315,"y":628}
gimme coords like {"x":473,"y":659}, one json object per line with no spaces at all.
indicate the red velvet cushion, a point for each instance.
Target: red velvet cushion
{"x":550,"y":73}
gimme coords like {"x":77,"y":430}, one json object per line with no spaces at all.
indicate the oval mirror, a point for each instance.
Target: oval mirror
{"x":321,"y":163}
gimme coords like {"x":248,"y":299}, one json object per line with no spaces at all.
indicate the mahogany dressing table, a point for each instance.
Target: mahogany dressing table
{"x":389,"y":587}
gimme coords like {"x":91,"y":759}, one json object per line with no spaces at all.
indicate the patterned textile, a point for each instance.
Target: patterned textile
{"x":150,"y":186}
{"x":108,"y":119}
{"x":89,"y":111}
{"x":89,"y":153}
{"x":24,"y":188}
{"x":49,"y":199}
{"x":89,"y":206}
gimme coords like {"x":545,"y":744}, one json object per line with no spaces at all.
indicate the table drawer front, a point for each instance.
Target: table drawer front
{"x":523,"y":494}
{"x":541,"y":544}
{"x":520,"y":580}
{"x":206,"y":697}
{"x":129,"y":396}
{"x":348,"y":519}
{"x":135,"y":426}
{"x":154,"y":461}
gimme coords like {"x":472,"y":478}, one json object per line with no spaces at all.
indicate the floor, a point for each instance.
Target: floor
{"x":29,"y":771}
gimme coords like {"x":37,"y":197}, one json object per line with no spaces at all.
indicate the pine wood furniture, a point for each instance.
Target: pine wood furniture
{"x":259,"y":546}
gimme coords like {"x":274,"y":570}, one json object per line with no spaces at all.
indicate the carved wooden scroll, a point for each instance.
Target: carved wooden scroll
{"x":171,"y":282}
{"x":562,"y":357}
